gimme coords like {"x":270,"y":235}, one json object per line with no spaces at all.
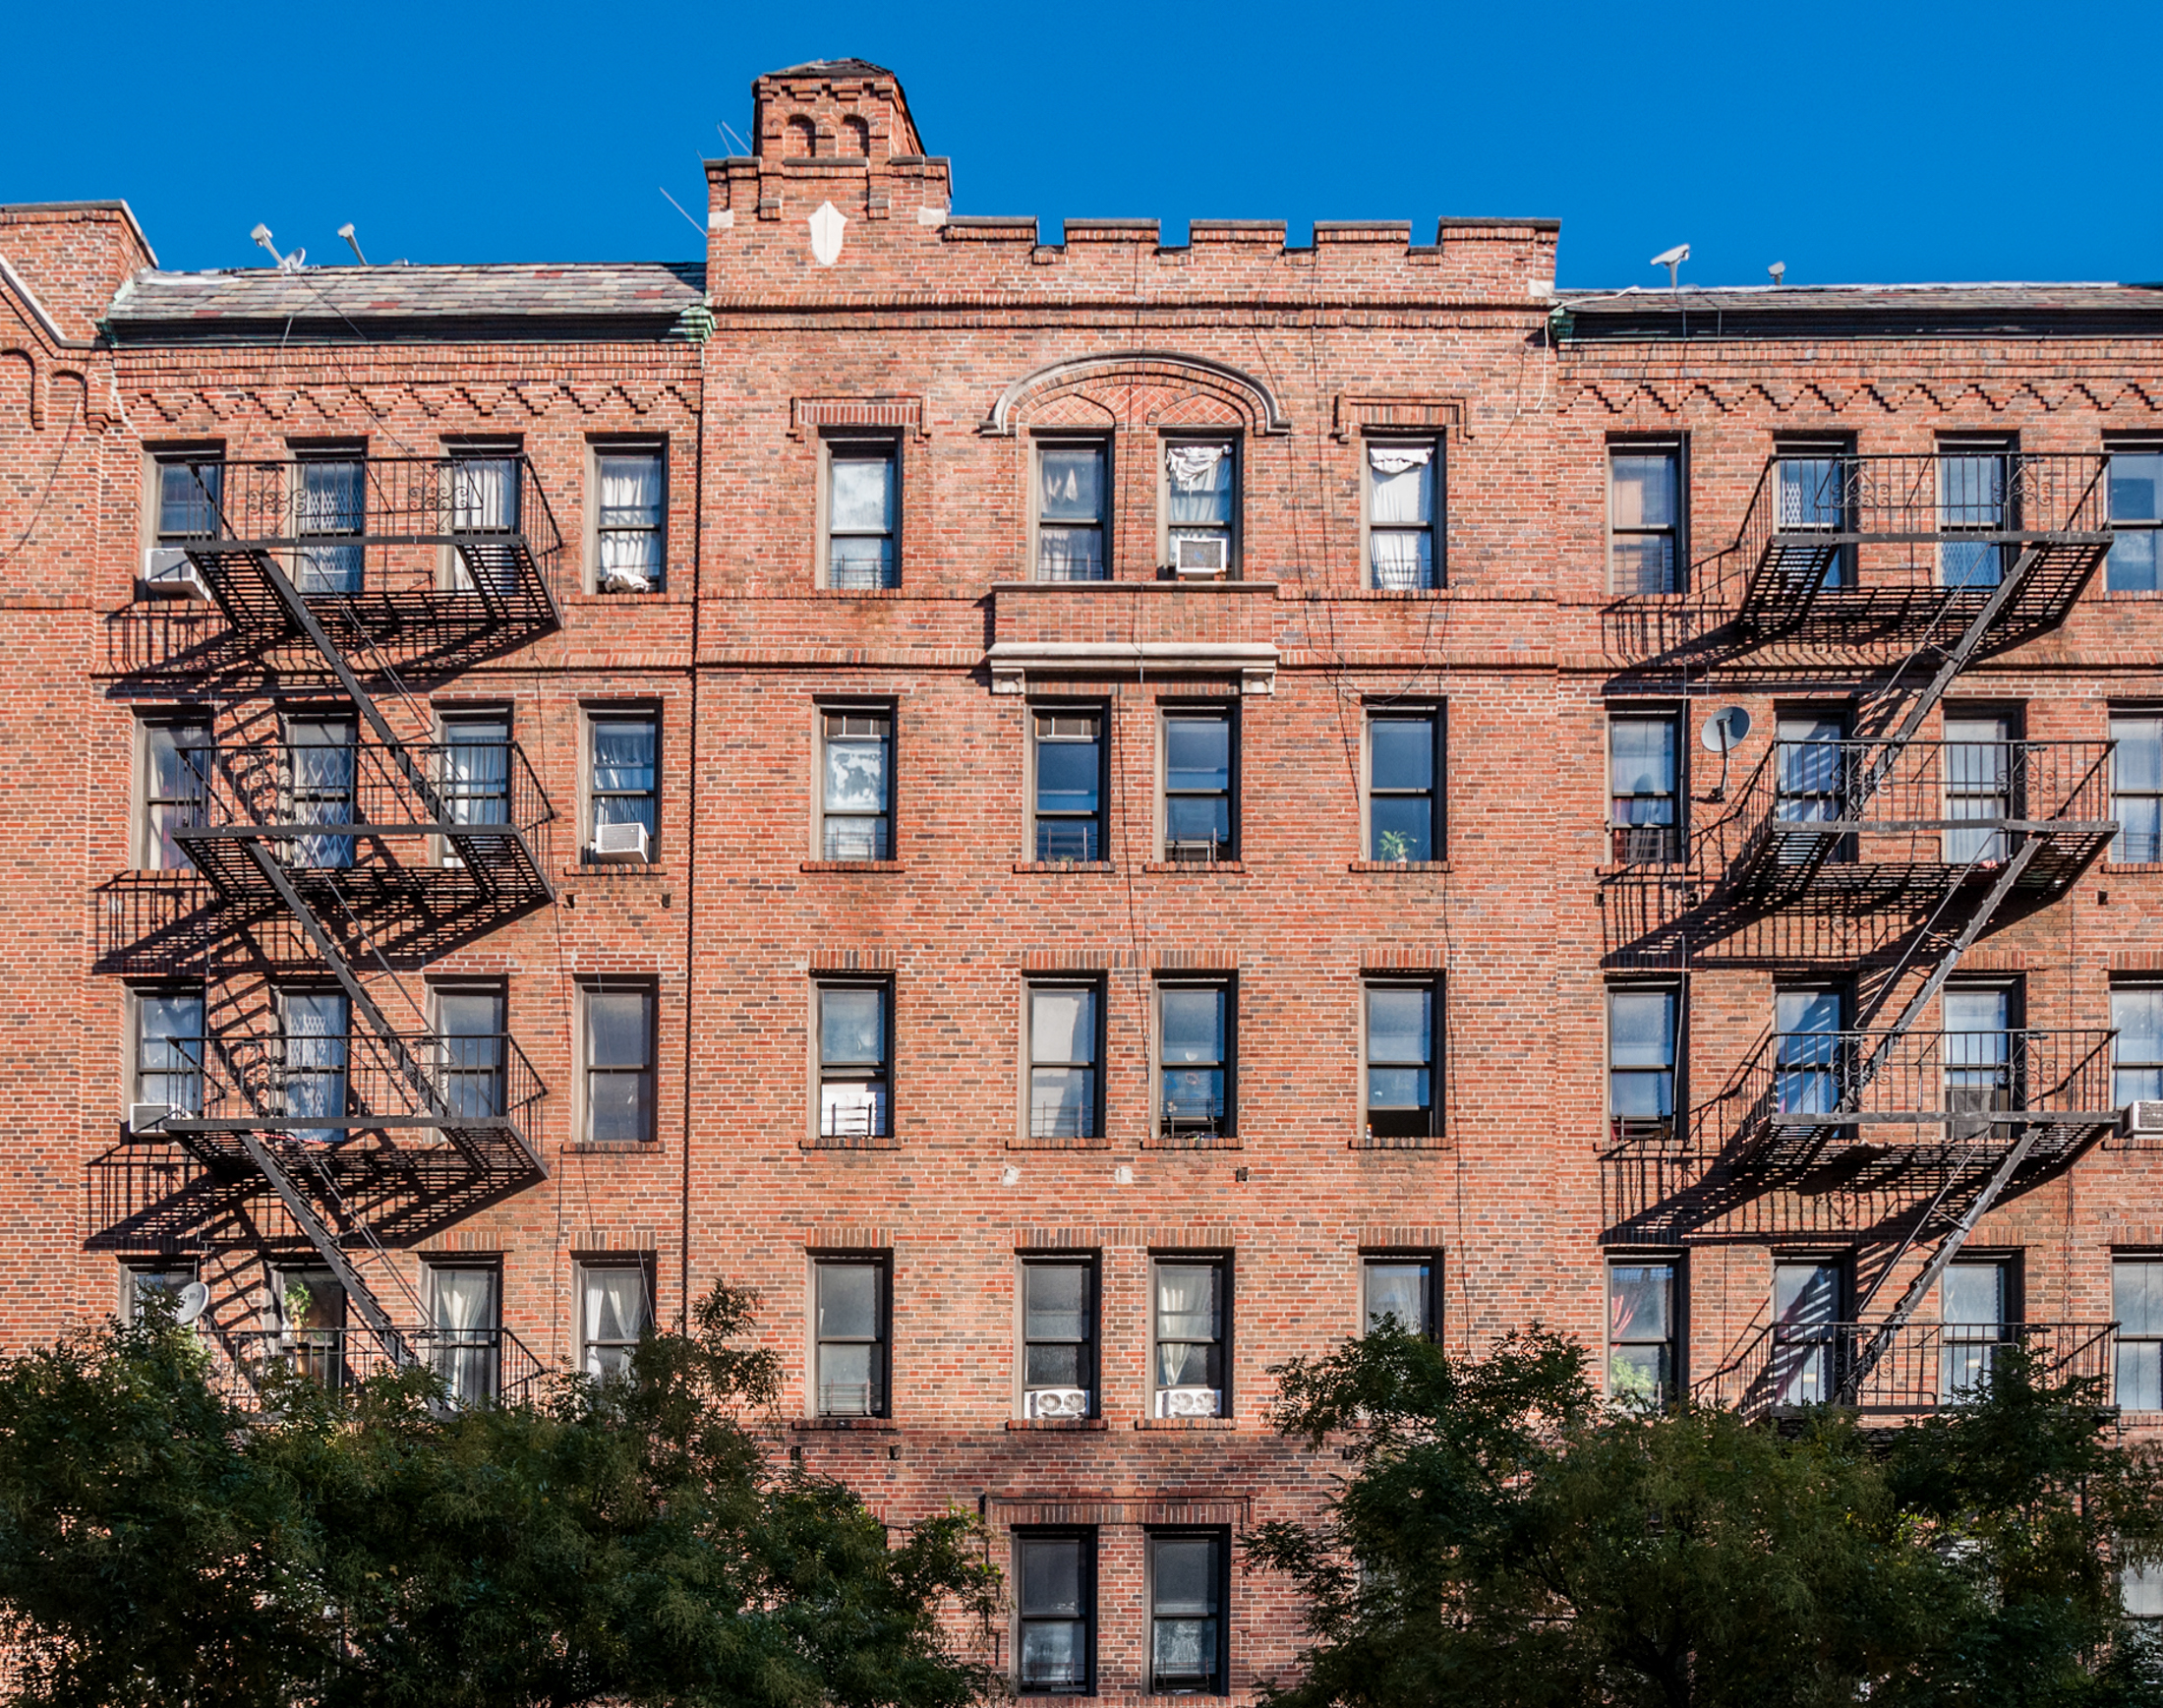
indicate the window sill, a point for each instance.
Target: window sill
{"x":612,"y":1148}
{"x":1424,"y":1142}
{"x":1406,"y":866}
{"x":1197,"y":868}
{"x":1408,"y":595}
{"x":1186,"y":1423}
{"x":1192,"y":1141}
{"x":855,"y":1141}
{"x":2111,"y":866}
{"x":1671,"y":871}
{"x":860,"y":592}
{"x":594,"y":596}
{"x":851,"y":867}
{"x":616,"y":869}
{"x":867,"y":1425}
{"x":1057,"y":868}
{"x":1032,"y":1143}
{"x":1058,"y":1422}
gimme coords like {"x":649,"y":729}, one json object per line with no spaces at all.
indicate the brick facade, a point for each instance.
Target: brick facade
{"x":960,"y":345}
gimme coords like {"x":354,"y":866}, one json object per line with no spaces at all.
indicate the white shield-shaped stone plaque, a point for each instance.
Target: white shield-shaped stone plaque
{"x":827,"y":226}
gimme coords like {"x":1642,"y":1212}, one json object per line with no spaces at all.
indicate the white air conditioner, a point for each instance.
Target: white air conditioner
{"x":624,"y":581}
{"x":1201,"y":554}
{"x":149,"y":1117}
{"x":1057,"y":1402}
{"x":2142,"y":1118}
{"x":168,"y":572}
{"x":1189,"y":1401}
{"x":621,"y":844}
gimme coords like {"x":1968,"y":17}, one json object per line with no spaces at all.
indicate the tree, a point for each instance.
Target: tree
{"x":622,"y":1542}
{"x":1506,"y":1539}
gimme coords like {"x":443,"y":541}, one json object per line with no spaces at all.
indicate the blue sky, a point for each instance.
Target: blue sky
{"x":1852,"y":140}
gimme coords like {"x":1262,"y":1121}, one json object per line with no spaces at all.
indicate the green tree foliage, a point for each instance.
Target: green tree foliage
{"x":1503,"y":1538}
{"x":622,"y":1543}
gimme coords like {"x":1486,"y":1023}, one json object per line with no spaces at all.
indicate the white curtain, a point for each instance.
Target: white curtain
{"x":614,"y":1318}
{"x":465,"y":1326}
{"x":630,"y":523}
{"x":1194,"y":467}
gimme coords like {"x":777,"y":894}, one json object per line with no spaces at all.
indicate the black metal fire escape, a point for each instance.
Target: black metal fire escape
{"x":369,"y":843}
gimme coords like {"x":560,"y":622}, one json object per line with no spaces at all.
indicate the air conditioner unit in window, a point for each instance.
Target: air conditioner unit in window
{"x":624,"y":581}
{"x":1051,"y":1402}
{"x":2141,"y":1119}
{"x":1201,"y":554}
{"x":621,"y":844}
{"x":149,"y":1117}
{"x":1189,"y":1401}
{"x":168,"y":572}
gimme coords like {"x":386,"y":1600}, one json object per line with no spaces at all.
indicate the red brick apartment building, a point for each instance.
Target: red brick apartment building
{"x":1082,"y":817}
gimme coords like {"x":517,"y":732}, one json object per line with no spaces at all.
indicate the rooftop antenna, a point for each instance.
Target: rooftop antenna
{"x":729,"y":134}
{"x":1672,"y":260}
{"x":286,"y":263}
{"x":1779,"y":271}
{"x":351,"y":242}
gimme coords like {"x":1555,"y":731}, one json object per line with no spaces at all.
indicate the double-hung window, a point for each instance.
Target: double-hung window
{"x":1202,"y":506}
{"x":1643,"y":1023}
{"x":1978,"y":1298}
{"x":2137,"y":1302}
{"x":1072,"y":509}
{"x":1058,"y":1337}
{"x":1644,"y":788}
{"x":169,"y":1051}
{"x":1187,"y":1623}
{"x":2136,"y":786}
{"x":312,"y":1027}
{"x":322,"y":766}
{"x":1404,"y":784}
{"x":1984,"y":1052}
{"x":1403,"y":1046}
{"x":2137,"y":1054}
{"x":1055,"y":1611}
{"x":617,"y":1046}
{"x":1064,"y":1033}
{"x":487,"y":487}
{"x":1399,"y":1287}
{"x":473,"y":1040}
{"x":1642,"y":1334}
{"x":466,"y":1328}
{"x":1812,"y":1054}
{"x":1812,"y":478}
{"x":1807,"y":1350}
{"x":1067,"y":754}
{"x":621,"y":785}
{"x":188,"y":495}
{"x":1982,"y":772}
{"x":1645,"y":533}
{"x":1976,"y":500}
{"x":630,"y":536}
{"x":330,"y":515}
{"x":472,"y":764}
{"x":862,"y":515}
{"x":1189,"y":1335}
{"x":856,"y":1050}
{"x":851,"y":1302}
{"x":143,"y":1282}
{"x":1404,"y":504}
{"x":1196,"y":1092}
{"x":2136,"y":563}
{"x":1201,"y":818}
{"x":856,"y":800}
{"x":616,"y":1310}
{"x":176,"y":787}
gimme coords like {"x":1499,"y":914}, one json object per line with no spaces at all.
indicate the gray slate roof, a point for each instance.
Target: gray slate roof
{"x":631,"y":299}
{"x":1886,"y":310}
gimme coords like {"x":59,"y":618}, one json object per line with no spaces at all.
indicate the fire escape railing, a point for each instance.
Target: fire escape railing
{"x":1917,"y":1368}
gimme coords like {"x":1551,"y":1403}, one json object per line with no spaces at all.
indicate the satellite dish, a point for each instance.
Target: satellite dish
{"x":1724,"y":729}
{"x":193,"y":1300}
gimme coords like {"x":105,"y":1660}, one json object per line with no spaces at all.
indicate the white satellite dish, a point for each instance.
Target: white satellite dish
{"x":193,"y":1299}
{"x":1725,"y":729}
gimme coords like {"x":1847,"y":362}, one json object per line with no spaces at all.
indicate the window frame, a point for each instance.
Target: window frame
{"x":142,"y":992}
{"x":1430,"y":1327}
{"x":135,"y":1271}
{"x":446,"y":1343}
{"x":1085,"y":1536}
{"x":884,"y":822}
{"x":2005,"y":1332}
{"x":1437,"y":714}
{"x":455,"y":574}
{"x":1234,"y":850}
{"x":2151,"y":1339}
{"x":1958,"y":446}
{"x":2128,"y":985}
{"x":1095,"y":985}
{"x":1219,"y":1683}
{"x":145,"y":853}
{"x":1625,"y":846}
{"x":1677,"y":1093}
{"x":618,"y":1262}
{"x":1432,"y":984}
{"x":1435,"y":527}
{"x":858,"y":444}
{"x":845,"y":1073}
{"x":1677,"y":444}
{"x":1057,"y":438}
{"x":597,"y":447}
{"x":591,"y":716}
{"x":460,"y":1066}
{"x":2133,"y":445}
{"x":155,"y":458}
{"x":1092,"y":1343}
{"x":1221,"y":1262}
{"x":2121,"y":851}
{"x":338,"y":1068}
{"x":1676,"y":1340}
{"x":1805,"y":446}
{"x":1098,"y":823}
{"x":880,"y":1402}
{"x":1227,"y":1121}
{"x":649,"y":993}
{"x":332,"y":453}
{"x":1234,"y":529}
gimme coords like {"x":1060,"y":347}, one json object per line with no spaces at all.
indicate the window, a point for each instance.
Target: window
{"x":189,"y":495}
{"x":1400,"y":1286}
{"x":473,"y":1039}
{"x":1403,"y":1035}
{"x":1193,"y":1030}
{"x":2136,"y":563}
{"x":857,"y":807}
{"x":1641,"y":1059}
{"x":1645,"y":788}
{"x":466,"y":1328}
{"x":142,"y":1281}
{"x":176,"y":787}
{"x":1404,"y":785}
{"x":2140,"y":1594}
{"x":1980,"y":762}
{"x":614,"y":1313}
{"x":1642,"y":1340}
{"x":1189,"y":1336}
{"x":1071,"y":491}
{"x":855,"y":1040}
{"x":1065,"y":1046}
{"x":862,"y":515}
{"x":169,"y":1049}
{"x":1058,"y":1337}
{"x":618,"y":1049}
{"x":1200,"y":507}
{"x":2136,"y":1059}
{"x":486,"y":486}
{"x":1811,"y":765}
{"x":1404,"y":484}
{"x":1974,"y":497}
{"x":1187,"y":1649}
{"x":1815,"y":478}
{"x":314,"y":1042}
{"x":849,"y":1367}
{"x":330,"y":515}
{"x":1645,"y":517}
{"x":1055,"y":1611}
{"x":629,"y":541}
{"x":1982,"y":1056}
{"x":2136,"y":786}
{"x":2137,"y":1302}
{"x":1068,"y":785}
{"x":1977,"y":1299}
{"x":1812,"y":1058}
{"x":1807,"y":1295}
{"x":1200,"y":821}
{"x":319,"y":776}
{"x":620,"y":747}
{"x":308,"y":1309}
{"x":474,"y":769}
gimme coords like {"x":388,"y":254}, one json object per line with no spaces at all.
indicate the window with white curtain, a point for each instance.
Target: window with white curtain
{"x":621,"y":774}
{"x":1062,"y":1041}
{"x":473,"y":771}
{"x":862,"y":515}
{"x":483,"y":489}
{"x":629,"y":533}
{"x":465,"y":1330}
{"x":1071,"y":504}
{"x":1200,"y":505}
{"x":1404,"y":484}
{"x":312,"y":1027}
{"x":1189,"y":1332}
{"x":615,"y":1313}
